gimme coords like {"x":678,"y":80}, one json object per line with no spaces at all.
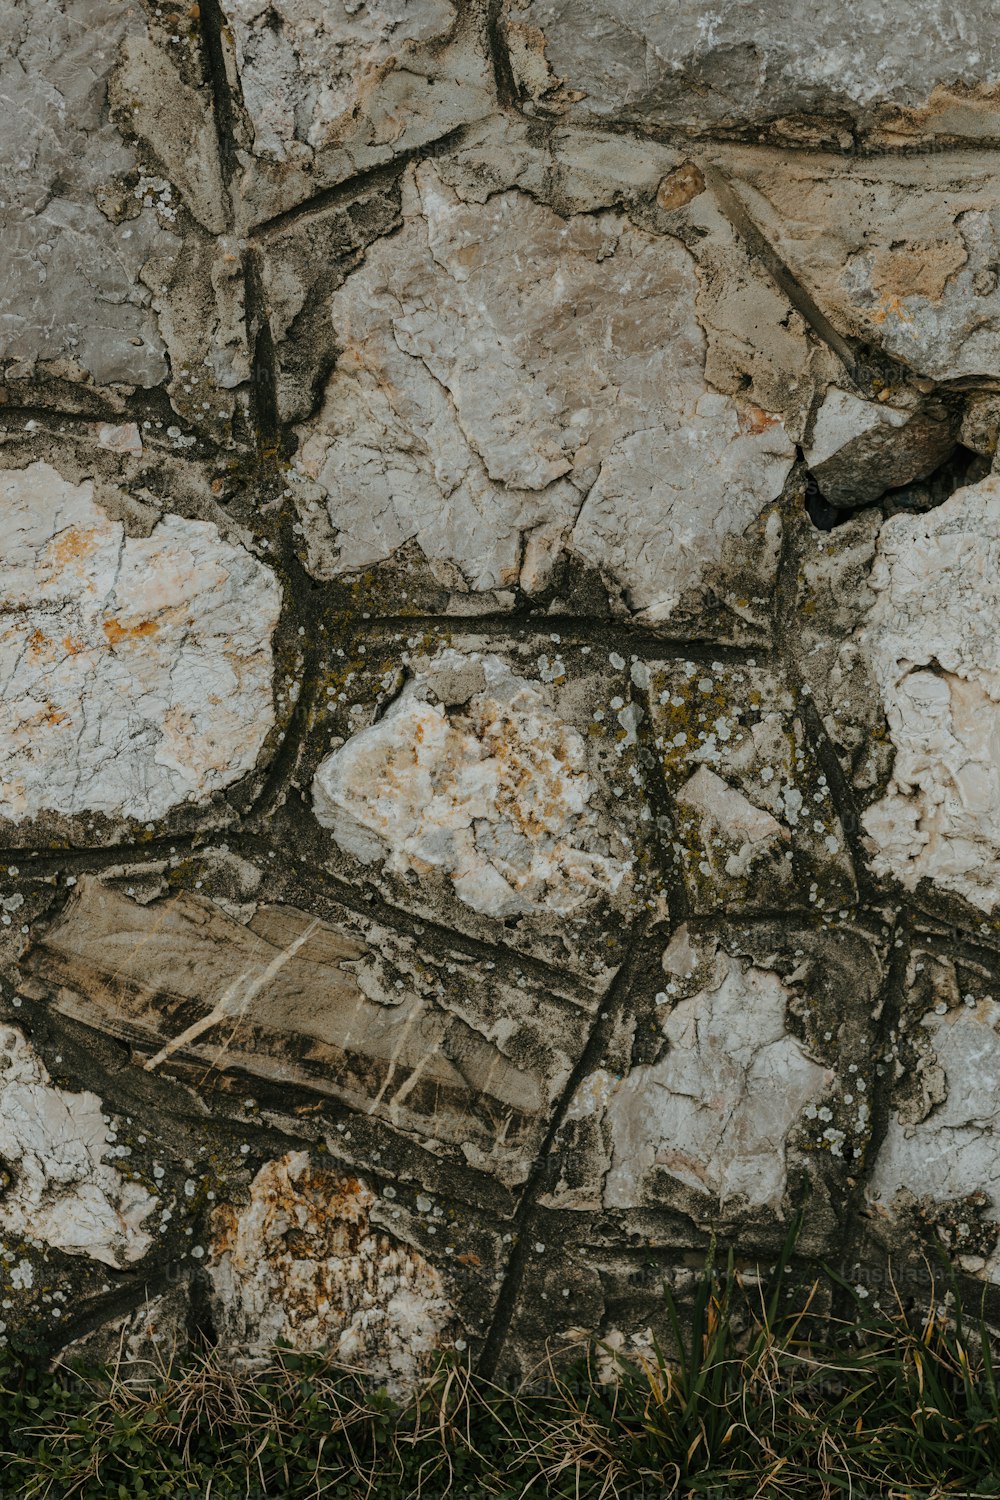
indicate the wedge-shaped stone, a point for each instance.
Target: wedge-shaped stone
{"x":332,"y":89}
{"x":898,"y":251}
{"x":345,"y":1010}
{"x":755,"y":819}
{"x":860,"y":449}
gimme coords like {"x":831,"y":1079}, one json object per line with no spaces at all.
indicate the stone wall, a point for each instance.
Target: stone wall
{"x":500,"y":729}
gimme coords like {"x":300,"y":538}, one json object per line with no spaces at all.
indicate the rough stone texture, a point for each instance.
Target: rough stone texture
{"x":495,"y":794}
{"x":110,"y":188}
{"x":330,"y":89}
{"x":513,"y":384}
{"x":860,"y":449}
{"x":302,"y":1263}
{"x":932,"y":642}
{"x":755,"y":820}
{"x":899,"y":250}
{"x":498,"y":624}
{"x":136,"y":669}
{"x":305,"y":68}
{"x":716,"y":1110}
{"x":58,"y":1149}
{"x":72,"y":287}
{"x":809,"y":69}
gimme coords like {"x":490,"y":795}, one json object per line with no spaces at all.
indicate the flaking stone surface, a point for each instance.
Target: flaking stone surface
{"x":305,"y":66}
{"x":302,"y":1262}
{"x":717,"y":1108}
{"x":496,"y":795}
{"x":72,"y":284}
{"x":329,"y":89}
{"x":66,"y":1190}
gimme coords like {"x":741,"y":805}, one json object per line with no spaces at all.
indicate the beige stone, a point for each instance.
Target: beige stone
{"x":896,"y":250}
{"x":346,"y":1011}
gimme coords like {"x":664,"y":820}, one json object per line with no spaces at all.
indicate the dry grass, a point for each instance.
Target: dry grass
{"x":749,"y":1401}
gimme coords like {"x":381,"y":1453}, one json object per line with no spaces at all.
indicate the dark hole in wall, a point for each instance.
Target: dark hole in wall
{"x":961,"y":467}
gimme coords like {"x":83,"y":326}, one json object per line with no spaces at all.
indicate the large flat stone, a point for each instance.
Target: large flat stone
{"x":436,"y":1048}
{"x":514,"y":384}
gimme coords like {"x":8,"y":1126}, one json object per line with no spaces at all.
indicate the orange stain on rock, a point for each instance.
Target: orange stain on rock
{"x":116,"y":632}
{"x":680,"y":187}
{"x":754,"y":420}
{"x":73,"y":544}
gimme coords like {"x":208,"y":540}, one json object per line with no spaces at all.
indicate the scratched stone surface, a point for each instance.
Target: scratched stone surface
{"x":500,"y":728}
